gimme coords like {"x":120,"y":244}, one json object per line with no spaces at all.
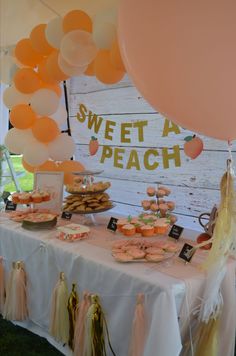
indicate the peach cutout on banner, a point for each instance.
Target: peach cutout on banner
{"x":53,"y":68}
{"x":25,"y":53}
{"x":39,"y":41}
{"x":22,"y":116}
{"x":104,"y":70}
{"x":77,"y":20}
{"x":27,"y":81}
{"x":45,"y":129}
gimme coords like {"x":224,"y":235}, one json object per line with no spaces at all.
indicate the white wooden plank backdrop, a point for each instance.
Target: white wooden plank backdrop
{"x":194,"y":185}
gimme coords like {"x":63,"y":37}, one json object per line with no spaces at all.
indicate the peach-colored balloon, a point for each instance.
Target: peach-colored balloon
{"x":47,"y":166}
{"x":39,"y":41}
{"x":182,"y":58}
{"x":53,"y":67}
{"x":90,"y":69}
{"x":55,"y":87}
{"x":68,"y":167}
{"x":22,"y":116}
{"x":115,"y":56}
{"x":45,"y":74}
{"x":25,"y":53}
{"x":104,"y":70}
{"x":26,"y":80}
{"x":77,"y":20}
{"x":27,"y":166}
{"x":45,"y":129}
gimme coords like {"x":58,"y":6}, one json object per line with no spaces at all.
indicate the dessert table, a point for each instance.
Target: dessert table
{"x":170,"y":288}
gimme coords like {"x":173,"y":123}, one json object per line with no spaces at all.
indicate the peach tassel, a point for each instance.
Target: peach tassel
{"x":59,"y":319}
{"x":2,"y":287}
{"x":15,"y":307}
{"x":81,"y":324}
{"x":138,"y":335}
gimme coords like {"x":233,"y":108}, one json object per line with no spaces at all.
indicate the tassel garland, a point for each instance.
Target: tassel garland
{"x":15,"y":307}
{"x":72,"y":306}
{"x":59,"y":318}
{"x":2,"y":286}
{"x":138,"y":335}
{"x":96,"y":327}
{"x":80,"y":324}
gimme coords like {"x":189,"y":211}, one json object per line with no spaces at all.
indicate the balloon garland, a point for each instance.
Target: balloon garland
{"x":54,"y":52}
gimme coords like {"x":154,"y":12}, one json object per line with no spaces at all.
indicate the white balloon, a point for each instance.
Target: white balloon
{"x":60,"y":115}
{"x":72,"y":71}
{"x":45,"y":102}
{"x":54,"y":32}
{"x":12,"y":97}
{"x":16,"y":140}
{"x":35,"y":153}
{"x":78,"y":48}
{"x":104,"y":34}
{"x":8,"y":69}
{"x":62,"y":148}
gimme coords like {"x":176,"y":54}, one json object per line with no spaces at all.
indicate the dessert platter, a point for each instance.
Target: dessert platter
{"x":36,"y":197}
{"x":73,"y":232}
{"x":142,"y":250}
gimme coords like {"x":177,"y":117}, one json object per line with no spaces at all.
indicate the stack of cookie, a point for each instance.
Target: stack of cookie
{"x":89,"y":203}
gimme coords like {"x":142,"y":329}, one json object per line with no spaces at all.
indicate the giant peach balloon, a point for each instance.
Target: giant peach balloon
{"x":54,"y":32}
{"x":45,"y":129}
{"x":181,"y":57}
{"x":15,"y":140}
{"x":45,"y":102}
{"x":39,"y":41}
{"x":26,"y":80}
{"x":77,"y":20}
{"x":35,"y":153}
{"x":12,"y":97}
{"x":25,"y":53}
{"x":62,"y":148}
{"x":22,"y":116}
{"x":78,"y":48}
{"x":104,"y":70}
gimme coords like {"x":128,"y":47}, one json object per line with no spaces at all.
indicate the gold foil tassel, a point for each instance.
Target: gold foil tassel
{"x":72,"y":307}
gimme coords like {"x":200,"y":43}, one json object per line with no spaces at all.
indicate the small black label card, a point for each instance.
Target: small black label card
{"x":176,"y":231}
{"x":66,"y":215}
{"x":5,"y":196}
{"x":187,"y":253}
{"x":112,"y":224}
{"x":10,"y":206}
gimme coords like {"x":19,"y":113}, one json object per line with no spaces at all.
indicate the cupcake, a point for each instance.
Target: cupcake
{"x":121,"y":223}
{"x":46,"y":196}
{"x":161,"y":227}
{"x":171,"y":205}
{"x":128,"y":230}
{"x":160,"y":193}
{"x":163,"y":209}
{"x":138,"y":227}
{"x":173,"y":219}
{"x":151,"y":191}
{"x":37,"y":197}
{"x":146,"y":204}
{"x":166,"y":190}
{"x":147,"y":230}
{"x":25,"y":198}
{"x":134,"y":220}
{"x":15,"y":198}
{"x":154,"y":207}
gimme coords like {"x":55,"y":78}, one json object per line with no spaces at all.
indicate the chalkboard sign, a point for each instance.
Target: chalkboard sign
{"x":66,"y":215}
{"x":112,"y":224}
{"x":10,"y":206}
{"x":186,"y":254}
{"x":176,"y":232}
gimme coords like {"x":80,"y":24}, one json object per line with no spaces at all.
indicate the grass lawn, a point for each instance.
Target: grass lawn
{"x":26,"y":181}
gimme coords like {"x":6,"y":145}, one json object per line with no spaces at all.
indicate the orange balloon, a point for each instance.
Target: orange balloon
{"x":45,"y":129}
{"x":90,"y":69}
{"x":55,"y":87}
{"x":22,"y":116}
{"x":53,"y":67}
{"x":44,"y":74}
{"x":38,"y":40}
{"x":27,"y":80}
{"x":68,"y":167}
{"x":25,"y":53}
{"x":47,"y":166}
{"x":115,"y":56}
{"x":104,"y":70}
{"x":77,"y":20}
{"x":27,"y":166}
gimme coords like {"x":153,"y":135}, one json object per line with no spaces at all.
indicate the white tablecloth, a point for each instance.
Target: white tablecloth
{"x":92,"y":267}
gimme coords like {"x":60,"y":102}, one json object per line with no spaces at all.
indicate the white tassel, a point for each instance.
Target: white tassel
{"x":59,"y":319}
